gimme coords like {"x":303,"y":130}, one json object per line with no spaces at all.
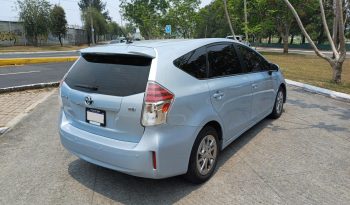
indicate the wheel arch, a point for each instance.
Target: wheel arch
{"x":216,"y":125}
{"x":283,"y":86}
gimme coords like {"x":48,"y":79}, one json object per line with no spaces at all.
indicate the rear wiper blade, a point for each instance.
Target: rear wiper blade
{"x":86,"y":86}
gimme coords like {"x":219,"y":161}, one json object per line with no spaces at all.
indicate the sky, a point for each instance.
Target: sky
{"x":8,"y":10}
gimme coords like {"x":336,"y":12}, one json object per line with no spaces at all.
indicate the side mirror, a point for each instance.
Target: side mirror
{"x":274,"y":67}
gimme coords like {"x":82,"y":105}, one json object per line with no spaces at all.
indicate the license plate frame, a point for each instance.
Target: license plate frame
{"x":95,"y":117}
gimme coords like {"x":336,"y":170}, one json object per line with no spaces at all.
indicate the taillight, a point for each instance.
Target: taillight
{"x":157,"y":103}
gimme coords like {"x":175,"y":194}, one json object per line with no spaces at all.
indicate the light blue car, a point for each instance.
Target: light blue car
{"x":157,"y":109}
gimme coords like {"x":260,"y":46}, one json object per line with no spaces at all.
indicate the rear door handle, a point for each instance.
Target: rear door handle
{"x":255,"y":86}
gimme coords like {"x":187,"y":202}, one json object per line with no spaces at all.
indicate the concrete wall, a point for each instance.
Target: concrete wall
{"x":12,"y":33}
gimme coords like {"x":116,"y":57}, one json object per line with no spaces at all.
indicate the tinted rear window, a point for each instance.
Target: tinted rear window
{"x":117,"y":75}
{"x":194,"y":63}
{"x":223,"y":60}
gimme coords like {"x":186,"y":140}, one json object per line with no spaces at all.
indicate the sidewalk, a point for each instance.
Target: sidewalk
{"x":15,"y":105}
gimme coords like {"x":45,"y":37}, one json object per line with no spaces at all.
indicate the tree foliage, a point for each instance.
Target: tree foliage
{"x":58,"y":24}
{"x":97,"y":4}
{"x":94,"y":11}
{"x":146,"y":15}
{"x":113,"y":30}
{"x":35,"y":15}
{"x":182,"y":17}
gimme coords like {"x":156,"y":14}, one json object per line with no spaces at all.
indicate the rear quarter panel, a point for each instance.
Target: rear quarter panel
{"x":192,"y":105}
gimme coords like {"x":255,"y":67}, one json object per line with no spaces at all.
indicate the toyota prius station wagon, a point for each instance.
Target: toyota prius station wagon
{"x":157,"y":109}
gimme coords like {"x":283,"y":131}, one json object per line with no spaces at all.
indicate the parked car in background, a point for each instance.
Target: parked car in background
{"x":119,"y":40}
{"x":239,"y":38}
{"x":157,"y":109}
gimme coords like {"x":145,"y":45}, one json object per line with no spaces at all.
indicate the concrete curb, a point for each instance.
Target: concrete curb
{"x":20,"y":61}
{"x":28,"y":87}
{"x":19,"y":117}
{"x":3,"y":130}
{"x":321,"y":91}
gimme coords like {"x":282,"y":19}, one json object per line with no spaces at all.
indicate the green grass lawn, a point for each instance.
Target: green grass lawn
{"x":40,"y":48}
{"x":310,"y":69}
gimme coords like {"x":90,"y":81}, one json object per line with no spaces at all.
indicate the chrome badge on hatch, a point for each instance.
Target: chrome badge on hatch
{"x":88,"y":100}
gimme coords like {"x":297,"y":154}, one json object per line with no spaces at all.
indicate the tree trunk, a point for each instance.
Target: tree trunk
{"x":302,"y":39}
{"x":320,"y":37}
{"x":60,"y":39}
{"x":337,"y":68}
{"x":88,"y":39}
{"x":35,"y":42}
{"x":228,"y":18}
{"x":269,"y":41}
{"x":280,"y":40}
{"x":285,"y":37}
{"x":285,"y":43}
{"x":291,"y":39}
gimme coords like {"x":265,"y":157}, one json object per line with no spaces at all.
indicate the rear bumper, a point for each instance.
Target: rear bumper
{"x":172,"y":145}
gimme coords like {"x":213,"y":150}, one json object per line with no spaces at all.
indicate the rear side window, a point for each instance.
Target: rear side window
{"x":253,"y":62}
{"x":223,"y":60}
{"x":117,"y":75}
{"x":194,"y":63}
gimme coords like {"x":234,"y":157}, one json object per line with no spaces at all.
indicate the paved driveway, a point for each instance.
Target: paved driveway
{"x":302,"y":158}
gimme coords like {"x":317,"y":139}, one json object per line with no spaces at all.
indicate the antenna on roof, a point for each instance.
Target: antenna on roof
{"x":128,"y":40}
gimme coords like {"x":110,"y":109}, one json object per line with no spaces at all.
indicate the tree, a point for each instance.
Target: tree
{"x":337,"y":42}
{"x":211,"y":21}
{"x":97,"y":4}
{"x":58,"y":26}
{"x":91,"y":16}
{"x":35,"y":15}
{"x":113,"y":30}
{"x":228,"y":18}
{"x":146,"y":15}
{"x":95,"y":16}
{"x":182,"y":17}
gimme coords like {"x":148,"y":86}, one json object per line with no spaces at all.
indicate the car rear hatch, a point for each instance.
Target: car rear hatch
{"x":103,"y":94}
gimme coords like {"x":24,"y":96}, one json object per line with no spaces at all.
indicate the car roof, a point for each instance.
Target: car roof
{"x":150,"y":47}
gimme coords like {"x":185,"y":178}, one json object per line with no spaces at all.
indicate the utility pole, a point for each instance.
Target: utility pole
{"x":92,"y":25}
{"x":245,"y":21}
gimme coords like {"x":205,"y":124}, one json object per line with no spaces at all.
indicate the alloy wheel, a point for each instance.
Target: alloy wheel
{"x":206,"y":154}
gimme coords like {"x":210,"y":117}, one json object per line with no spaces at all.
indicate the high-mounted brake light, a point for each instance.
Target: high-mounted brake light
{"x":157,"y":103}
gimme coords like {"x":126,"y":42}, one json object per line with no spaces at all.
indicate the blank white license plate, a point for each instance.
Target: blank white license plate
{"x":96,"y":117}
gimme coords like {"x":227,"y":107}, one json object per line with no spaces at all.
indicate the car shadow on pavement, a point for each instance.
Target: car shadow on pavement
{"x":332,"y":111}
{"x":127,"y":189}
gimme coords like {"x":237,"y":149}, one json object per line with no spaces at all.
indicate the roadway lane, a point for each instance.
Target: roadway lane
{"x":30,"y":74}
{"x":39,"y":54}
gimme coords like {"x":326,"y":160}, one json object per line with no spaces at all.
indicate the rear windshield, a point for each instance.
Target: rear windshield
{"x":117,"y":75}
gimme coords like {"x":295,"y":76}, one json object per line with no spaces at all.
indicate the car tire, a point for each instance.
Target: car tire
{"x":204,"y":155}
{"x":278,"y":106}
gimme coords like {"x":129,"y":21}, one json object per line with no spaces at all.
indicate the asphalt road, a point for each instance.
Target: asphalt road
{"x":39,"y":54}
{"x":301,"y":158}
{"x":30,"y":74}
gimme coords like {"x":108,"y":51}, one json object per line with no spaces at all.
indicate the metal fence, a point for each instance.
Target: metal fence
{"x":12,"y":33}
